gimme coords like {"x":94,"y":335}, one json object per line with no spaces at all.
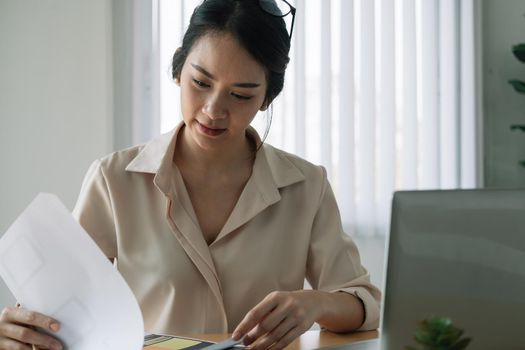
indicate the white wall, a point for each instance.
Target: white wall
{"x":55,"y":99}
{"x":503,"y":26}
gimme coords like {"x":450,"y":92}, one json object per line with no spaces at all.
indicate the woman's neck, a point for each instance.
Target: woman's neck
{"x":189,"y":154}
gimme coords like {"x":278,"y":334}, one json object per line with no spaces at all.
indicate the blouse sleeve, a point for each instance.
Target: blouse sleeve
{"x":334,"y":264}
{"x":93,"y":210}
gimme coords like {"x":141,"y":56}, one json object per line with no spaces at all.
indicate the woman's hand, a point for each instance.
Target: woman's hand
{"x":280,"y":318}
{"x":18,"y":330}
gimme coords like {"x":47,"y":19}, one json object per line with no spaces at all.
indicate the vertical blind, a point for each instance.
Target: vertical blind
{"x":382,"y":93}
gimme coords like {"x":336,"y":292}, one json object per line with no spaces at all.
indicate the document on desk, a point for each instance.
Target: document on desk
{"x":166,"y":342}
{"x":51,"y":265}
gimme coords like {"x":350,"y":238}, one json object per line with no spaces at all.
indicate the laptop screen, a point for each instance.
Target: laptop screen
{"x":459,"y":254}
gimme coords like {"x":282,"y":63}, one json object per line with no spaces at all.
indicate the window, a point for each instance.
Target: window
{"x":382,"y":93}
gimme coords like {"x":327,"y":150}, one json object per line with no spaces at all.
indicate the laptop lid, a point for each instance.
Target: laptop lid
{"x":460,"y":254}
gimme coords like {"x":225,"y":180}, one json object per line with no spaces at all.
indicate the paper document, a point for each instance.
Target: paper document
{"x":226,"y":344}
{"x":166,"y":342}
{"x":52,"y":266}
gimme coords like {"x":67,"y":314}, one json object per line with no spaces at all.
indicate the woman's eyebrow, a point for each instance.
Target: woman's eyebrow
{"x":209,"y":75}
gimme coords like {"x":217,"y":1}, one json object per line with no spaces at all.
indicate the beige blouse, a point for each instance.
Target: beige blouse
{"x":284,"y":228}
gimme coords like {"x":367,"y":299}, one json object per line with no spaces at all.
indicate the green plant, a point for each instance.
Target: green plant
{"x":518,"y":85}
{"x":438,"y":333}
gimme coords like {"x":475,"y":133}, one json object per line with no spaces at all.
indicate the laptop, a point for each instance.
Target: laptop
{"x":459,"y":254}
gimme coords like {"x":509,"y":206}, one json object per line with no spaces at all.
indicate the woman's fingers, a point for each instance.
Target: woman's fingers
{"x":31,"y":318}
{"x":9,"y":344}
{"x":275,"y":335}
{"x":256,"y":315}
{"x":269,"y":323}
{"x":18,"y":329}
{"x":29,"y":336}
{"x":288,"y":338}
{"x":278,"y":319}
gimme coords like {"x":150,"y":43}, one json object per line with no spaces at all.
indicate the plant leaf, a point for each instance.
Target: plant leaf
{"x":424,"y":337}
{"x":518,"y":85}
{"x":522,"y":162}
{"x":440,"y":322}
{"x":449,"y":337}
{"x":519,"y":51}
{"x":438,"y":333}
{"x":517,"y":127}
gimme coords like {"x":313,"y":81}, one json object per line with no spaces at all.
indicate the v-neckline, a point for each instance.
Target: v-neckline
{"x":233,"y":220}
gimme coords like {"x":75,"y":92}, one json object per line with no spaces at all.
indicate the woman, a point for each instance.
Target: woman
{"x":213,"y":230}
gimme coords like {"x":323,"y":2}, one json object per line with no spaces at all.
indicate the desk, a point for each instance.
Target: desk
{"x":309,"y":340}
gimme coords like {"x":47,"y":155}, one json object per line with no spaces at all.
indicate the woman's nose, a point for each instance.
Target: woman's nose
{"x":216,"y":107}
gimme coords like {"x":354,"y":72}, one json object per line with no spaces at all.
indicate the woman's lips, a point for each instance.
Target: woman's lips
{"x":210,"y":131}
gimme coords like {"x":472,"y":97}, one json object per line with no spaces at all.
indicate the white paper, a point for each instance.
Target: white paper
{"x":52,"y":266}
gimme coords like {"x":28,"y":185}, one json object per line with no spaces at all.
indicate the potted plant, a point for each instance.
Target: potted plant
{"x":519,"y":86}
{"x":438,"y":333}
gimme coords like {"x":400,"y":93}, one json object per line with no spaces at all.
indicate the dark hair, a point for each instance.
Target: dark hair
{"x":264,"y":36}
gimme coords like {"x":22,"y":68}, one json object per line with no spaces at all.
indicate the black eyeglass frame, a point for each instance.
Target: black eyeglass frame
{"x":292,"y":11}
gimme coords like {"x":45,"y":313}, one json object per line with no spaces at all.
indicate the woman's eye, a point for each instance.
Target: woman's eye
{"x":200,"y":83}
{"x":241,"y":97}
